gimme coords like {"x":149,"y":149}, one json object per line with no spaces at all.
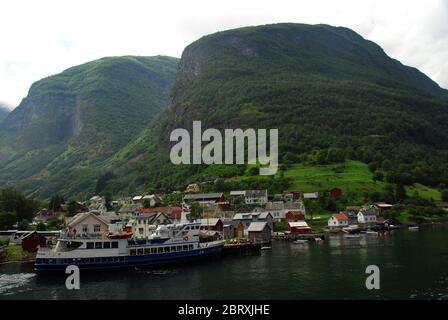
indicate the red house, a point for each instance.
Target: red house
{"x":32,"y":241}
{"x":294,"y":216}
{"x":335,"y":193}
{"x":298,"y":227}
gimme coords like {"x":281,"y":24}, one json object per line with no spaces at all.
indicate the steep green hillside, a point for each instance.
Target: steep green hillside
{"x":3,"y":112}
{"x":332,"y":94}
{"x":56,"y":139}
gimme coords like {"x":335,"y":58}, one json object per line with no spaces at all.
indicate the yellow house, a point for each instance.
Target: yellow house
{"x":193,"y":187}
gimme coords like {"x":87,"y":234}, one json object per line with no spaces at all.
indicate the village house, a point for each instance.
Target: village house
{"x":311,"y":195}
{"x":383,"y":207}
{"x":32,"y":241}
{"x":214,"y":224}
{"x":259,"y":232}
{"x":237,"y":196}
{"x":367,"y":215}
{"x":233,"y":229}
{"x":335,"y":193}
{"x":127,"y":211}
{"x":87,"y":224}
{"x":143,"y":224}
{"x":338,"y":221}
{"x":97,"y":204}
{"x":192,"y":188}
{"x":292,"y":216}
{"x":205,"y":198}
{"x":256,"y":197}
{"x":298,"y":227}
{"x":279,"y":209}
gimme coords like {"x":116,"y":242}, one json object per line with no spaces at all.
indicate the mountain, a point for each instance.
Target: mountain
{"x":332,"y":94}
{"x":70,"y":122}
{"x":3,"y":111}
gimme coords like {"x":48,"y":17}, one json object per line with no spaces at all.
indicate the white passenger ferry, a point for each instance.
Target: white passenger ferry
{"x":168,"y":243}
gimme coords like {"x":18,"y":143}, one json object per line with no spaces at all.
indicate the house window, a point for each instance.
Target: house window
{"x":84,"y":228}
{"x":140,"y":230}
{"x":96,"y":228}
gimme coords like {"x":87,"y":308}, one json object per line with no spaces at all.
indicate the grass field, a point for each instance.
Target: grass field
{"x":352,"y":177}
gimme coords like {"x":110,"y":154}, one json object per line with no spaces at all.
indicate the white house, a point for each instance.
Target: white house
{"x":338,"y":220}
{"x":256,"y":197}
{"x":367,"y":215}
{"x":279,"y":209}
{"x":144,"y":224}
{"x":88,"y":224}
{"x":312,"y":195}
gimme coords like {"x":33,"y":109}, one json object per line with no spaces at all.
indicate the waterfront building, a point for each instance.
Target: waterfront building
{"x":259,"y":232}
{"x":338,"y":221}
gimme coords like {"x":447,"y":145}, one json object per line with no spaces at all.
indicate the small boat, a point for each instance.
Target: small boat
{"x":266,"y":248}
{"x":318,"y":239}
{"x":415,"y":228}
{"x":373,"y":233}
{"x":123,"y":235}
{"x":300,"y":241}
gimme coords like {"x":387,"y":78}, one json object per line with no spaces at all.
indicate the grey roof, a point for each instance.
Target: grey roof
{"x":237,"y":193}
{"x":257,"y":226}
{"x":256,"y":193}
{"x":243,"y":216}
{"x":263,"y":215}
{"x":81,"y":216}
{"x":209,"y":222}
{"x":198,"y":196}
{"x":130,"y":208}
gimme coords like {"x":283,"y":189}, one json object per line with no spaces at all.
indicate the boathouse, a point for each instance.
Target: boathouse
{"x":259,"y":232}
{"x":298,"y":227}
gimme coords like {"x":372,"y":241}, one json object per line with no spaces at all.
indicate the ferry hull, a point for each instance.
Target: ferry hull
{"x":132,"y":261}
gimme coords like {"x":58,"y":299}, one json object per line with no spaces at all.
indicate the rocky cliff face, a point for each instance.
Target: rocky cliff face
{"x":82,"y":116}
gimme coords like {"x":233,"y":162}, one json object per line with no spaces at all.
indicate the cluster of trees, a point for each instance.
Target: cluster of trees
{"x":16,"y":209}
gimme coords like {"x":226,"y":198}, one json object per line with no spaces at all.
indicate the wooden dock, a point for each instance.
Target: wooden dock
{"x":241,"y":248}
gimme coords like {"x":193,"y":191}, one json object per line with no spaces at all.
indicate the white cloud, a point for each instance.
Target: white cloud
{"x":40,"y":38}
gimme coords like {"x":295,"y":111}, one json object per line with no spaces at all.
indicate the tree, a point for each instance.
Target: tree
{"x":196,"y":211}
{"x":378,"y":176}
{"x":12,"y":200}
{"x":444,"y":194}
{"x":400,"y":192}
{"x":23,"y":225}
{"x":55,"y":203}
{"x":71,"y":208}
{"x":41,"y":226}
{"x":146,"y":203}
{"x":7,"y":220}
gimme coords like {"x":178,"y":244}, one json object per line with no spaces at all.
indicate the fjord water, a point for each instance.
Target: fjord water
{"x":413,"y":265}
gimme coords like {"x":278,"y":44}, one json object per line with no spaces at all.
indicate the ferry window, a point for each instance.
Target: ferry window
{"x":140,"y":251}
{"x":167,"y":249}
{"x":190,"y":247}
{"x":117,"y":259}
{"x":98,"y":245}
{"x":89,"y":245}
{"x":153,"y":250}
{"x":115,"y":244}
{"x":173,"y":249}
{"x":147,"y":251}
{"x":97,"y":259}
{"x":185,"y":248}
{"x":132,"y":252}
{"x":106,"y":245}
{"x":159,"y":250}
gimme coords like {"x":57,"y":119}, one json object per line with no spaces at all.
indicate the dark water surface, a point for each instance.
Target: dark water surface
{"x":413,"y":265}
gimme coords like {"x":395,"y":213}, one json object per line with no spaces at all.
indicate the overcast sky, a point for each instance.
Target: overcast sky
{"x":44,"y":37}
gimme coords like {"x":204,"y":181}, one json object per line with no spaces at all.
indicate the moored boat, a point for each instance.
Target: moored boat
{"x":168,"y":244}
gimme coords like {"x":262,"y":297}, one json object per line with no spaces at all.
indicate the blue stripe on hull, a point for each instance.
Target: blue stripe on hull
{"x":133,"y":261}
